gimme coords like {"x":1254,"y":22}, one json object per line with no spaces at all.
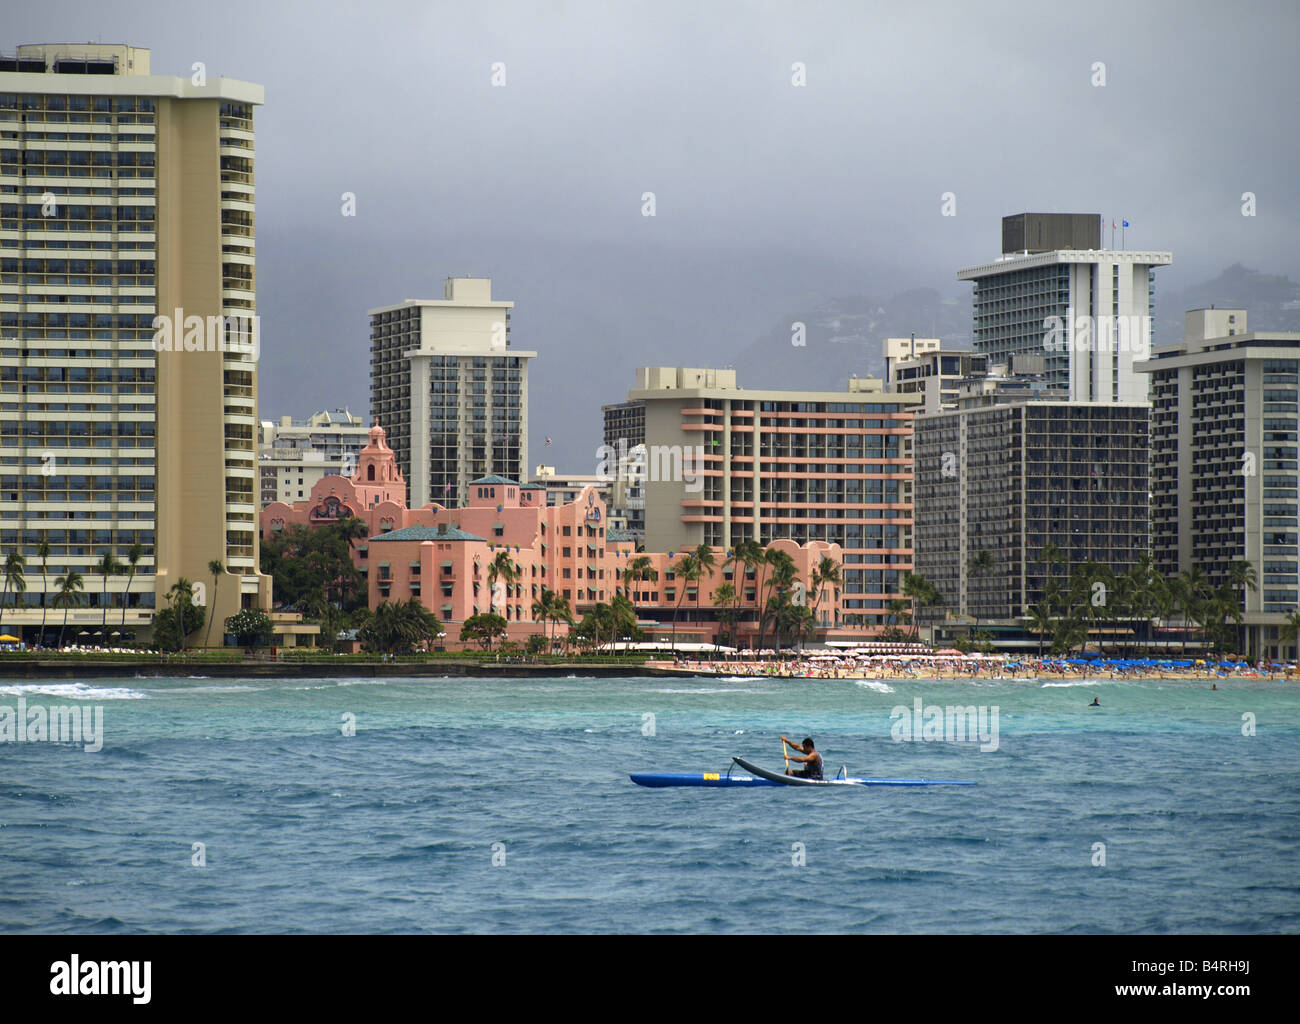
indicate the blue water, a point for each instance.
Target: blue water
{"x":393,"y":829}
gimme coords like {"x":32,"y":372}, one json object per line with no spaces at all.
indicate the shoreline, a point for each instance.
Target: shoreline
{"x":152,"y":668}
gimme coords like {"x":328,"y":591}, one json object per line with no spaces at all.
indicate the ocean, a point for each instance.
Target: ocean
{"x":492,"y":805}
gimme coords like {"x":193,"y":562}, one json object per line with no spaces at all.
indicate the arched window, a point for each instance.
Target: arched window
{"x":370,"y":471}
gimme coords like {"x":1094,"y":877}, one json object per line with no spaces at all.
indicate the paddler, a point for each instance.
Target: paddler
{"x":810,"y":758}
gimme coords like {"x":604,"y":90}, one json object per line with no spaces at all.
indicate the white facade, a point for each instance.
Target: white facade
{"x":1087,"y":311}
{"x":450,"y":390}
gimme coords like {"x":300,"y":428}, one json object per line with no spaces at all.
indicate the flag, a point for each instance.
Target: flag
{"x":548,"y":440}
{"x":1126,"y":224}
{"x":1113,"y":225}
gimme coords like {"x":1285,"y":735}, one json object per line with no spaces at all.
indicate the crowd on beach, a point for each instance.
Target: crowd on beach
{"x":982,"y":667}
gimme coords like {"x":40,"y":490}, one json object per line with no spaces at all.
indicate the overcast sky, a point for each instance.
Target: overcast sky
{"x":769,"y":197}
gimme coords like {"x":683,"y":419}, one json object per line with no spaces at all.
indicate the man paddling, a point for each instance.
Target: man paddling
{"x":811,"y":759}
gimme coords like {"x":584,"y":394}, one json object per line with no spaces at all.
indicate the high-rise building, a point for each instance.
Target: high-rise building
{"x":130,"y":339}
{"x":1224,"y":479}
{"x":1011,"y":478}
{"x":293,"y":454}
{"x":1087,"y":309}
{"x":726,"y":465}
{"x":919,"y":366}
{"x":450,"y":390}
{"x":625,"y":463}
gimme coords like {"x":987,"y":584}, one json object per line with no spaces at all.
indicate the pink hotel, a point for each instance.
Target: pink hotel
{"x":441,"y":555}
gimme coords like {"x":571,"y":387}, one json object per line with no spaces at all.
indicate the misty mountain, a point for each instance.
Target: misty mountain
{"x":1271,"y":302}
{"x":843,"y":337}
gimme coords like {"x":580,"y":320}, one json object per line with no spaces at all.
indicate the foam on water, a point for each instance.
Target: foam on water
{"x":75,"y":691}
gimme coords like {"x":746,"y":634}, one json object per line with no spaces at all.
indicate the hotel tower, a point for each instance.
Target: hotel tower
{"x":125,"y":197}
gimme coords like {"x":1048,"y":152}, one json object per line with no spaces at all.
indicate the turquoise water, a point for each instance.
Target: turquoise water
{"x":393,"y":829}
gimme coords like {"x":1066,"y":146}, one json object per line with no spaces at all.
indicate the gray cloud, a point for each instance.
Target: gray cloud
{"x":770,"y":198}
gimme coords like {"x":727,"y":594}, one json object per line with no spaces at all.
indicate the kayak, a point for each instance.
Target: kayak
{"x":782,"y":779}
{"x":762,"y":777}
{"x":661,"y":780}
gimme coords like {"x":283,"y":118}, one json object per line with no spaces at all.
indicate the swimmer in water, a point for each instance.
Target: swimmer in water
{"x":1095,"y":703}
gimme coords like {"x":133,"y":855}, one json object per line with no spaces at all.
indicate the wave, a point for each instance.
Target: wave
{"x":1080,"y":682}
{"x":874,"y":684}
{"x":213,"y":689}
{"x":707,"y":689}
{"x":76,"y":691}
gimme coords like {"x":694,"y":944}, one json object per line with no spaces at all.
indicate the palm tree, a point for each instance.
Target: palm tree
{"x":724,"y":599}
{"x":14,"y":575}
{"x":1050,"y":557}
{"x":623,"y":612}
{"x":43,"y":553}
{"x":352,"y":530}
{"x":915,"y":586}
{"x":1225,"y":606}
{"x":706,"y":563}
{"x":780,"y":581}
{"x":1293,"y":620}
{"x":1242,"y":576}
{"x":218,"y":570}
{"x":107,"y":566}
{"x":561,"y":612}
{"x":826,"y":571}
{"x":183,"y":592}
{"x":69,"y":596}
{"x":502,"y":566}
{"x":981,"y":565}
{"x":1194,"y":588}
{"x":688,"y":571}
{"x":1041,"y":622}
{"x":747,"y":556}
{"x":546,"y":607}
{"x":132,"y":560}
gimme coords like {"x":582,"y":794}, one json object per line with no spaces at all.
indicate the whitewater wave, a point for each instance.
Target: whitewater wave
{"x":75,"y":691}
{"x":1077,"y":682}
{"x":880,"y":686}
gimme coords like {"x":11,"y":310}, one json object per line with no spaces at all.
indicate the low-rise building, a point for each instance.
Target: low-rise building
{"x":443,"y":557}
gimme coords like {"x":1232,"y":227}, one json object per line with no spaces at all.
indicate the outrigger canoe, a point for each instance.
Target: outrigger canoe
{"x":762,"y":777}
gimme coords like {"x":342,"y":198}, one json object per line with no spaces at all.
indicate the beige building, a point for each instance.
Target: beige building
{"x":294,"y":454}
{"x":1224,"y":478}
{"x":450,"y":390}
{"x":725,"y":465}
{"x":920,"y":366}
{"x":127,"y":280}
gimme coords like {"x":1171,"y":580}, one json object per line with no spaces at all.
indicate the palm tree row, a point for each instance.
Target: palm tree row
{"x":1095,"y":596}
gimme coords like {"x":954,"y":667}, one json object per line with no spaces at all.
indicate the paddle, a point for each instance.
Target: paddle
{"x":785,"y":752}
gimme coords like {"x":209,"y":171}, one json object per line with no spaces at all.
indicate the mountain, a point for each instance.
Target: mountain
{"x":1271,"y":302}
{"x":843,"y":336}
